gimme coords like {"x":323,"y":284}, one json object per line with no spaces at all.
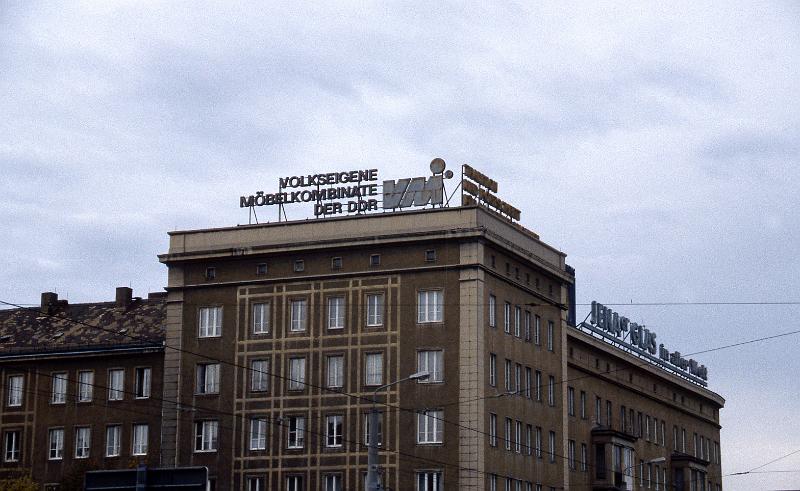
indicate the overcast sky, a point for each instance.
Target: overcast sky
{"x":657,"y":147}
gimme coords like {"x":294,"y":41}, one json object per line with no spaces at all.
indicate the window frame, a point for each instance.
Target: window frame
{"x":436,"y":375}
{"x":209,"y":326}
{"x":296,"y":382}
{"x":295,"y":438}
{"x":16,"y":394}
{"x":431,"y":310}
{"x":336,"y":322}
{"x":147,"y":381}
{"x":118,"y":431}
{"x":113,"y":393}
{"x":259,"y":378}
{"x":258,"y":434}
{"x":261,"y":324}
{"x":334,"y":438}
{"x":14,"y":437}
{"x":334,"y":380}
{"x":205,"y":385}
{"x":369,"y":380}
{"x":374,"y":313}
{"x":59,"y":449}
{"x":298,"y":319}
{"x":88,"y":441}
{"x":431,"y":426}
{"x":206,"y":435}
{"x":60,"y":378}
{"x":143,"y":446}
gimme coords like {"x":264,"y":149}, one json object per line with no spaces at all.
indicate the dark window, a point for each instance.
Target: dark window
{"x":493,"y":265}
{"x":537,"y":283}
{"x":299,"y":265}
{"x":571,"y":353}
{"x":211,"y":273}
{"x":600,"y":461}
{"x":508,"y":268}
{"x":550,"y":288}
{"x":527,"y":278}
{"x":516,"y":272}
{"x":375,"y":260}
{"x":430,"y":255}
{"x":336,"y":263}
{"x":261,"y":268}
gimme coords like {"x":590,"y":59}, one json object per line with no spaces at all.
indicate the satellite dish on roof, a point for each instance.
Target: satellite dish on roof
{"x":437,"y":166}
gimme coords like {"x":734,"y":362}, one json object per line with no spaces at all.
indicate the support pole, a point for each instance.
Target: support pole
{"x":373,"y":482}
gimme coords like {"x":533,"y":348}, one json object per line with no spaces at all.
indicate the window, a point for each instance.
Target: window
{"x":609,"y":415}
{"x":210,"y":322}
{"x":527,"y":326}
{"x":571,"y":401}
{"x":429,"y":306}
{"x":583,"y":405}
{"x":517,"y":321}
{"x":683,"y":440}
{"x":552,"y":446}
{"x":507,"y":318}
{"x":571,"y":454}
{"x":429,"y":481}
{"x":518,"y":437}
{"x":333,"y":482}
{"x":663,"y":430}
{"x":82,"y":442}
{"x":675,"y":438}
{"x":492,"y":311}
{"x":647,"y":428}
{"x":56,"y":437}
{"x":492,"y":429}
{"x":335,"y":312}
{"x":208,"y":378}
{"x":584,"y":457}
{"x":85,"y":385}
{"x":113,"y":438}
{"x":295,"y":436}
{"x":508,"y":434}
{"x":366,"y":429}
{"x":205,"y":436}
{"x":256,"y":483}
{"x":492,"y":479}
{"x":537,"y":330}
{"x":336,"y":263}
{"x":429,"y":427}
{"x":518,"y":378}
{"x":261,"y":319}
{"x":335,"y":371}
{"x":142,"y":383}
{"x":12,"y":444}
{"x":509,"y":387}
{"x":528,"y":439}
{"x":297,"y":315}
{"x":259,"y":375}
{"x":597,"y":411}
{"x":430,"y":255}
{"x":528,"y":380}
{"x":431,"y":361}
{"x":492,"y":369}
{"x":538,"y":445}
{"x":258,"y":434}
{"x":140,"y":433}
{"x":297,"y":373}
{"x":538,"y":386}
{"x":550,"y":329}
{"x":15,"y":388}
{"x":333,"y":435}
{"x":116,"y":384}
{"x":551,"y":390}
{"x":261,"y":269}
{"x":59,"y":394}
{"x":375,"y":309}
{"x":294,"y":483}
{"x":299,"y":266}
{"x":373,"y":373}
{"x":211,"y":273}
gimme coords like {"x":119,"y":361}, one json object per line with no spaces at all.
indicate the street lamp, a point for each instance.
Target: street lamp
{"x":373,"y":484}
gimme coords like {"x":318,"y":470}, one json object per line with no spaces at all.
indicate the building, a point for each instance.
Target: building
{"x":279,"y":337}
{"x":81,"y":386}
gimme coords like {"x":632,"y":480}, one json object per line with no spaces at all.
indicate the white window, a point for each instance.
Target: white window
{"x":85,"y":385}
{"x":335,"y":312}
{"x":366,"y":429}
{"x":333,"y":433}
{"x":333,"y":482}
{"x":142,"y":385}
{"x":431,"y":361}
{"x":571,"y":453}
{"x":529,"y":439}
{"x":140,"y":434}
{"x":59,"y":394}
{"x":429,"y":481}
{"x":552,"y":446}
{"x":375,"y":309}
{"x":116,"y":384}
{"x":294,"y":483}
{"x":12,"y":444}
{"x":550,"y":335}
{"x":517,"y":378}
{"x":296,"y":433}
{"x":210,"y":322}
{"x":205,"y":436}
{"x":373,"y":373}
{"x":492,"y":311}
{"x":508,"y":434}
{"x":509,"y":388}
{"x":492,"y":482}
{"x":517,"y":321}
{"x":298,"y":315}
{"x":551,"y":391}
{"x":297,"y":374}
{"x":492,"y":369}
{"x":113,"y":438}
{"x":528,"y":382}
{"x":492,"y":429}
{"x":584,"y":457}
{"x":538,"y":444}
{"x":15,"y":388}
{"x":527,"y":326}
{"x":537,"y":330}
{"x":258,"y":434}
{"x":518,"y":437}
{"x":82,"y":442}
{"x":335,"y":371}
{"x":208,"y":378}
{"x":571,"y":402}
{"x":261,"y":318}
{"x":507,"y":318}
{"x":256,"y":483}
{"x":56,"y":437}
{"x":259,"y":375}
{"x":429,"y":306}
{"x":430,"y":428}
{"x":538,"y":385}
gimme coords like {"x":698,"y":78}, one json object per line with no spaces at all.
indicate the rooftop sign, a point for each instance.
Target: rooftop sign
{"x":612,"y":326}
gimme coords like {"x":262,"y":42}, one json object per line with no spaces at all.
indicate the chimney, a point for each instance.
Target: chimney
{"x":49,"y":302}
{"x":124,"y":297}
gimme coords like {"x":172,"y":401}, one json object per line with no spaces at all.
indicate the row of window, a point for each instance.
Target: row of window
{"x":521,"y":323}
{"x":515,"y":384}
{"x":512,"y":484}
{"x":530,"y":444}
{"x":84,"y":392}
{"x":493,"y":263}
{"x":426,"y":480}
{"x":430,"y":309}
{"x":82,"y":442}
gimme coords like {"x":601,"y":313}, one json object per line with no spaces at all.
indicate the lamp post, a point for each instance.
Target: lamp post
{"x":373,"y":484}
{"x":657,"y":460}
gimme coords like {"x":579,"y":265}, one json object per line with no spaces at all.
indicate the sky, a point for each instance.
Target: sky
{"x":656,"y":144}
